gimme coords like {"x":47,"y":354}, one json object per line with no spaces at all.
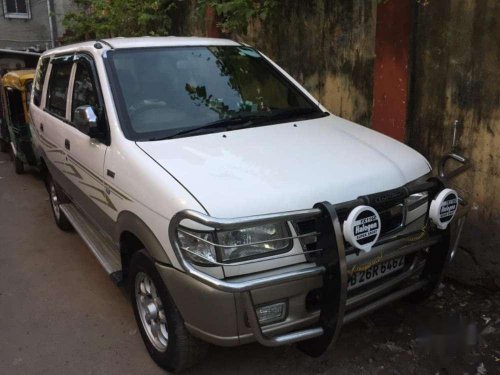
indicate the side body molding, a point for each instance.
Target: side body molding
{"x":129,"y":222}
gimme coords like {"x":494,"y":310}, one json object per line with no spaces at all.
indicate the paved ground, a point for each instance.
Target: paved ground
{"x":61,"y":314}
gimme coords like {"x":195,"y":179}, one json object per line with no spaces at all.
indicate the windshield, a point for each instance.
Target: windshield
{"x":164,"y":92}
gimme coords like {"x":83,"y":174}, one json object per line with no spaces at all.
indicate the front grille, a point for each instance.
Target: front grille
{"x":392,"y":218}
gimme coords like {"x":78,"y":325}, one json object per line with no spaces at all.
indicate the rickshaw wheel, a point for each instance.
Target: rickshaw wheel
{"x":18,"y":165}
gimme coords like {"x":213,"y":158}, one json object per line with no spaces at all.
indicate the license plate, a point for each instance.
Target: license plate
{"x":375,"y":272}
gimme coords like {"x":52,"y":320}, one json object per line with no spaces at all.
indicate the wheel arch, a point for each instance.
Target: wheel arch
{"x":132,"y":235}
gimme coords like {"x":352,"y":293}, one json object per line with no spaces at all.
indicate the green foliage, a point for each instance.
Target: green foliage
{"x":234,"y":15}
{"x":111,"y":18}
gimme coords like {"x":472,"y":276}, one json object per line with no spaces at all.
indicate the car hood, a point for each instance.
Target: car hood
{"x":286,"y":166}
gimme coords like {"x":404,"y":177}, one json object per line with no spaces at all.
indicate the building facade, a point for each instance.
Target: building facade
{"x":32,"y":25}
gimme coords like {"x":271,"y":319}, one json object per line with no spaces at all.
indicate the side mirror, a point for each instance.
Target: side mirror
{"x":85,"y":120}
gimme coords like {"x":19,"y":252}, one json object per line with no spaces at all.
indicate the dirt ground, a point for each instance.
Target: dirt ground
{"x":61,"y":314}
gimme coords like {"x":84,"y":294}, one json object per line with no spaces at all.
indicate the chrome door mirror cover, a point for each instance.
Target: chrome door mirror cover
{"x":85,"y":119}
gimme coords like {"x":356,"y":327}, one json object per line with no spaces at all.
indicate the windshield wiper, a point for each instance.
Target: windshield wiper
{"x":223,"y":123}
{"x":243,"y":121}
{"x":294,"y":113}
{"x":282,"y":116}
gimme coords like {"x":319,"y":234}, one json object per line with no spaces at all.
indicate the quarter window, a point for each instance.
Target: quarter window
{"x":16,"y":9}
{"x":58,"y":89}
{"x":84,"y":90}
{"x":39,"y":80}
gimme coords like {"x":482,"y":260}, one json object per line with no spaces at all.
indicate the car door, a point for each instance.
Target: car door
{"x":36,"y":106}
{"x":86,"y":154}
{"x":51,"y":124}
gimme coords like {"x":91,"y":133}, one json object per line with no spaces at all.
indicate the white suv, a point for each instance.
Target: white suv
{"x":233,"y":204}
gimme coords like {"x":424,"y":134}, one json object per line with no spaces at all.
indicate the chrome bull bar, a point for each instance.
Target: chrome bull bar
{"x":331,"y":265}
{"x":246,"y":286}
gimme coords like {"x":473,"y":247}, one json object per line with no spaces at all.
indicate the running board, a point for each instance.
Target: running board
{"x":104,"y":250}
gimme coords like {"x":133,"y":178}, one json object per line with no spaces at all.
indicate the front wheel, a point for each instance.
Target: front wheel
{"x":433,"y":270}
{"x":161,"y":325}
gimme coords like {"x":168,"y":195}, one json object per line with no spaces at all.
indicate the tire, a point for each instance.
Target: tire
{"x":56,"y":198}
{"x":164,"y":333}
{"x":18,"y":165}
{"x":433,"y":271}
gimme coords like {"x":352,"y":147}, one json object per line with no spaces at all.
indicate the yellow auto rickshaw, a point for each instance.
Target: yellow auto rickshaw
{"x":14,"y":127}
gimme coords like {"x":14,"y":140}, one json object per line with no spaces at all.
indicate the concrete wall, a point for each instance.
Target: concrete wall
{"x":35,"y":32}
{"x":26,"y":33}
{"x":60,"y":8}
{"x":456,"y":77}
{"x":329,"y":46}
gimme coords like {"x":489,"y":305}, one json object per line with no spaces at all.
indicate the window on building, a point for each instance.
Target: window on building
{"x":16,"y":9}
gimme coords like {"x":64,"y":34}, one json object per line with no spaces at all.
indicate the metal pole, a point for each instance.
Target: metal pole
{"x":52,"y":27}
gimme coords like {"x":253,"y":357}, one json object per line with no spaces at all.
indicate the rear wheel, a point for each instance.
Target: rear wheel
{"x":55,"y":202}
{"x":162,"y":328}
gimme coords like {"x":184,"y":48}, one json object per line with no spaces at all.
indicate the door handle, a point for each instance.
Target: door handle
{"x":67,"y":144}
{"x":41,"y":128}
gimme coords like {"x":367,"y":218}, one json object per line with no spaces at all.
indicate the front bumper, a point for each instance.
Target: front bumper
{"x":223,"y":311}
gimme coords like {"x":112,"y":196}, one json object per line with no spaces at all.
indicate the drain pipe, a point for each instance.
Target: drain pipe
{"x":52,"y":23}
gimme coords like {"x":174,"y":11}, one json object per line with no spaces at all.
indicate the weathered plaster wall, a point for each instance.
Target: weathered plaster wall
{"x":329,"y":46}
{"x":457,"y":77}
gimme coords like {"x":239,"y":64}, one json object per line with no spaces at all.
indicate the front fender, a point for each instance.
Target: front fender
{"x":130,"y":222}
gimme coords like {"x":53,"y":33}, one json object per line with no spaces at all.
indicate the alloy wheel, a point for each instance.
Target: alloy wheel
{"x":54,"y":201}
{"x":151,"y":311}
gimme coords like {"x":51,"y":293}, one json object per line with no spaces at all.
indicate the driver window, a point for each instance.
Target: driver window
{"x":84,"y":89}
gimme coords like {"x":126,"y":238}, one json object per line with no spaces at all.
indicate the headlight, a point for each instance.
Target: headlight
{"x":252,"y":242}
{"x":227,"y":246}
{"x":196,"y":249}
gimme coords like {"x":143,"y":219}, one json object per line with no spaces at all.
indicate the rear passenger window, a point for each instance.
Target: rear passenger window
{"x":57,"y":92}
{"x":39,"y":80}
